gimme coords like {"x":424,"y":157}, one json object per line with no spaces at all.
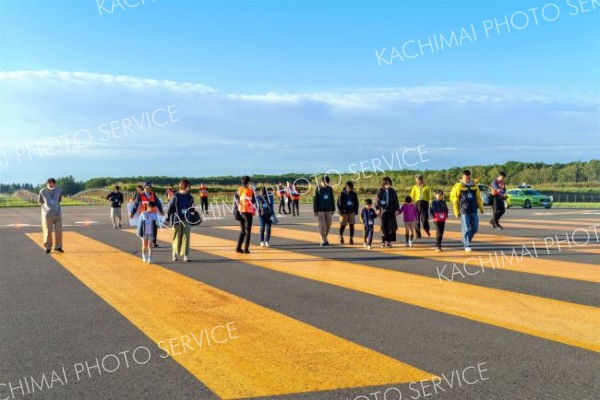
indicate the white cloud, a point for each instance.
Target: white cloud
{"x":231,"y":133}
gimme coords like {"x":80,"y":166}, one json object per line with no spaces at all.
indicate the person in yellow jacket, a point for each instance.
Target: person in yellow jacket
{"x":421,"y":195}
{"x":466,"y":199}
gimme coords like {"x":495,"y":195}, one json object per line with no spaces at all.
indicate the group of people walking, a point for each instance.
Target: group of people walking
{"x":418,"y":208}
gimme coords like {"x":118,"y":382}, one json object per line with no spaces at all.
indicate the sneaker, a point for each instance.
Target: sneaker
{"x":239,"y":251}
{"x":59,"y":249}
{"x":48,"y":251}
{"x":438,"y":249}
{"x":186,"y":259}
{"x":262,"y":244}
{"x":266,"y":244}
{"x":246,"y":251}
{"x":351,"y":241}
{"x":365,"y":244}
{"x":407,"y":245}
{"x":499,"y":226}
{"x":493,"y":224}
{"x":341,"y":239}
{"x":468,"y":249}
{"x":410,"y":243}
{"x":322,"y":244}
{"x":156,"y":245}
{"x":369,"y":246}
{"x":149,"y":260}
{"x":115,"y":227}
{"x":175,"y":257}
{"x":383,"y":244}
{"x":119,"y":226}
{"x":389,"y":244}
{"x":144,"y":259}
{"x":327,"y":243}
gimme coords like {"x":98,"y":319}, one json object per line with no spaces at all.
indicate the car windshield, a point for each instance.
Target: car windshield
{"x":531,"y":192}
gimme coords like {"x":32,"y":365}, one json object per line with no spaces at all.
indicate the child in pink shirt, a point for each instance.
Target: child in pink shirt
{"x":409,"y":215}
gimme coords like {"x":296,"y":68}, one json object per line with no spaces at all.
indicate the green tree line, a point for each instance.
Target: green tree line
{"x":573,"y":174}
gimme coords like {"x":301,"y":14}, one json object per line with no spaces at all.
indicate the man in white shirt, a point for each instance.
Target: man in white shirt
{"x":50,"y":198}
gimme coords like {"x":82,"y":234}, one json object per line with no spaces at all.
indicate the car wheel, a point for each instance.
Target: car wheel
{"x":527,"y":204}
{"x":548,"y":206}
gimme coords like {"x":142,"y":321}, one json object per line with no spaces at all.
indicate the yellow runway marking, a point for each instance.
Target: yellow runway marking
{"x":572,"y":324}
{"x":272,"y":355}
{"x":528,"y":264}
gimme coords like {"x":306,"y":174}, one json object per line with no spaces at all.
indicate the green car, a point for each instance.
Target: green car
{"x":527,"y":198}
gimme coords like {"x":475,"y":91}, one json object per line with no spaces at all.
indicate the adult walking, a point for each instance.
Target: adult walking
{"x":324,"y":207}
{"x":386,"y":204}
{"x":49,"y":198}
{"x":245,"y":201}
{"x":466,"y":199}
{"x":295,"y":196}
{"x":204,"y":198}
{"x":498,"y":197}
{"x":141,"y":202}
{"x":348,"y":208}
{"x":169,"y":192}
{"x":116,"y":200}
{"x":421,"y":195}
{"x":281,"y":194}
{"x":179,"y":204}
{"x":265,"y":215}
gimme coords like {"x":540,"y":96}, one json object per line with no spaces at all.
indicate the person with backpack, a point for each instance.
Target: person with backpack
{"x":141,"y":202}
{"x":116,"y":200}
{"x":348,"y":208}
{"x":177,"y":215}
{"x":244,"y":210}
{"x":498,"y":197}
{"x":265,"y":216}
{"x":324,"y":207}
{"x":387,"y":204}
{"x":466,"y":199}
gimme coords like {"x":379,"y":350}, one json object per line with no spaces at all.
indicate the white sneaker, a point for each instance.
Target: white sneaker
{"x":175,"y":257}
{"x":368,"y":247}
{"x":144,"y":259}
{"x":149,"y":260}
{"x":266,"y":244}
{"x":410,"y":243}
{"x":365,"y":245}
{"x":406,"y":244}
{"x":468,"y":249}
{"x":186,"y":259}
{"x":438,"y":249}
{"x":262,"y":244}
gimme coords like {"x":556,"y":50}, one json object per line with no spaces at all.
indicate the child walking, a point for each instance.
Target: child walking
{"x":146,"y":227}
{"x":409,"y":215}
{"x":367,"y":216}
{"x":438,"y":211}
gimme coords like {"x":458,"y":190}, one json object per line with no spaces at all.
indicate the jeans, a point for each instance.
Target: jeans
{"x":265,"y":228}
{"x":469,"y":224}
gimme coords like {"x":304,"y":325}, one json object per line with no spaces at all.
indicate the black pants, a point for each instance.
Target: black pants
{"x":388,"y":226}
{"x":423,"y":210}
{"x":439,"y":233}
{"x":204,"y":202}
{"x":282,"y":205}
{"x":296,"y":207}
{"x":154,"y":233}
{"x":498,"y":208}
{"x":245,"y":231}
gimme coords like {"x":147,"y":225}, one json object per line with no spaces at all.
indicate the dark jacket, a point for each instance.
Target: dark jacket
{"x":438,"y":206}
{"x":391,"y":205}
{"x":323,"y":199}
{"x":367,"y":215}
{"x":265,"y":205}
{"x":116,"y":199}
{"x":348,"y":202}
{"x":177,"y":206}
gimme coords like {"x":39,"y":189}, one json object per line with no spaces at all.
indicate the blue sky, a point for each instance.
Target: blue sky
{"x":281,"y":86}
